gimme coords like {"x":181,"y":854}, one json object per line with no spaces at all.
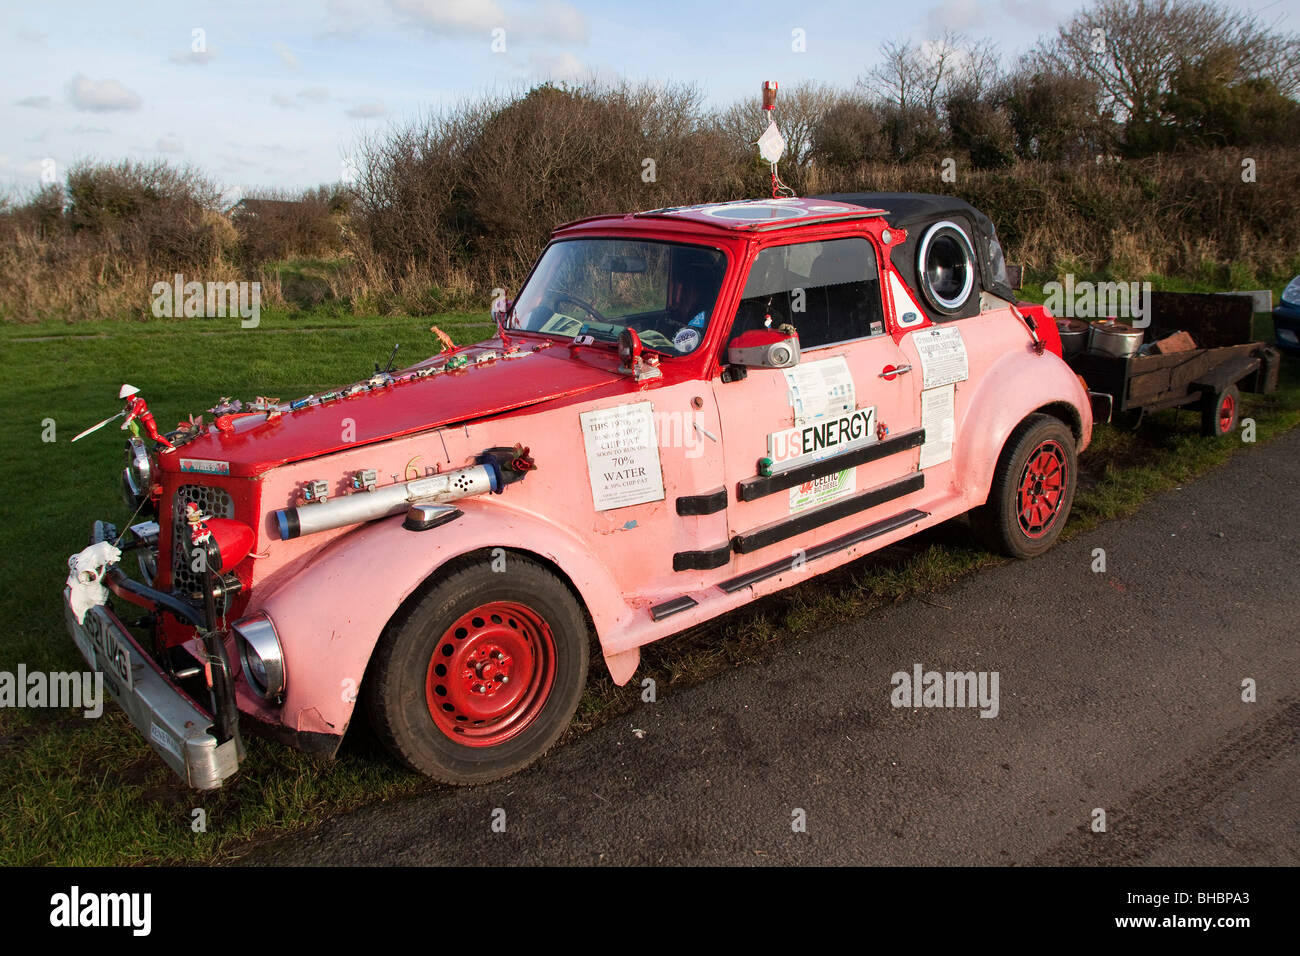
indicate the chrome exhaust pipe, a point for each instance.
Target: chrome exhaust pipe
{"x":361,"y":506}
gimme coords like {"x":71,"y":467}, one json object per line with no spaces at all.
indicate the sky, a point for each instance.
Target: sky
{"x":277,"y":94}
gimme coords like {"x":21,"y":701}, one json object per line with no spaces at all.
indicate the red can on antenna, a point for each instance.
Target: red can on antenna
{"x":769,"y":94}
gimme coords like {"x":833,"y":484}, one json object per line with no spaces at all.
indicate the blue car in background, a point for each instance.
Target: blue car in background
{"x":1286,"y":318}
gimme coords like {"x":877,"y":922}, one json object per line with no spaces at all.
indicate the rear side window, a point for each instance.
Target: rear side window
{"x":829,"y":291}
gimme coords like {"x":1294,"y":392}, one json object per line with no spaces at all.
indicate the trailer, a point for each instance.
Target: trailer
{"x":1208,"y":365}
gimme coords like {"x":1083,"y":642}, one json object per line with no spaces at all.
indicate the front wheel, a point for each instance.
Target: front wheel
{"x":1033,"y":489}
{"x":481,"y":675}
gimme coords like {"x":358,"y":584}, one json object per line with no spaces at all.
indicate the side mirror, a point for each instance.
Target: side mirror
{"x":764,"y":348}
{"x":1015,"y":273}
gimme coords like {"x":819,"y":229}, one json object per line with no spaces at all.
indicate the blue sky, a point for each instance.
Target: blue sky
{"x":281,"y":91}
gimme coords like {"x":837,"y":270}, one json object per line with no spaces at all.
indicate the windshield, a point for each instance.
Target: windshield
{"x":599,"y":287}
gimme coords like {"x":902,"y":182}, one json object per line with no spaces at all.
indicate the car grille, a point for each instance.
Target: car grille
{"x":215,"y":503}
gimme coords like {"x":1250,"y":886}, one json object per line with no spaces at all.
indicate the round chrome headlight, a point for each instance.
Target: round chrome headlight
{"x":260,"y":655}
{"x":137,"y":477}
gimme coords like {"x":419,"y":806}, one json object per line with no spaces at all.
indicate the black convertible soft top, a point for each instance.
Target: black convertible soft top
{"x":906,"y":209}
{"x":914,"y":211}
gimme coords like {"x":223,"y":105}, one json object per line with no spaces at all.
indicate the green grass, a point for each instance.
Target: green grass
{"x":77,"y":791}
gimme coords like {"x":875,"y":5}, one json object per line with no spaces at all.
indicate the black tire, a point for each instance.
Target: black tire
{"x":525,"y":602}
{"x":1001,"y":524}
{"x":1220,"y":412}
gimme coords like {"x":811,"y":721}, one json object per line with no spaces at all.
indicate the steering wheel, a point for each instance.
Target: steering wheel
{"x":582,"y":303}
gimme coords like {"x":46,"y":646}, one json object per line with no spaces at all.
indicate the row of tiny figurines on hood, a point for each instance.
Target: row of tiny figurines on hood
{"x":226,"y":411}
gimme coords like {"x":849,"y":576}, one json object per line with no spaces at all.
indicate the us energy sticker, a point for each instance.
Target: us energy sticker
{"x":821,"y":439}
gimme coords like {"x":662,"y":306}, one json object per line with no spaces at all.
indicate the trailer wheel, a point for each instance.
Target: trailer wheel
{"x":482,"y":674}
{"x":1220,"y":411}
{"x":1033,"y":489}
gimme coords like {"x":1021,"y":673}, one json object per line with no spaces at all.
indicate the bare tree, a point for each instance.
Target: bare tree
{"x":1132,"y":49}
{"x":920,"y":75}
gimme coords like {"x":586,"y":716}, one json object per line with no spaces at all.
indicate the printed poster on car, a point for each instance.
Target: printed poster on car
{"x":622,"y":456}
{"x":943,"y":356}
{"x":938,"y":418}
{"x":821,"y":389}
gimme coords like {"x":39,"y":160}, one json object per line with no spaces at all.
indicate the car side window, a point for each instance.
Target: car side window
{"x":829,"y":291}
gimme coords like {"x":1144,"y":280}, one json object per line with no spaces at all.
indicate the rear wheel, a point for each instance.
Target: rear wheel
{"x":1033,"y":489}
{"x":482,"y":674}
{"x":1220,"y":412}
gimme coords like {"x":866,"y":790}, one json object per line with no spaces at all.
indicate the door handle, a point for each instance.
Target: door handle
{"x":891,"y":371}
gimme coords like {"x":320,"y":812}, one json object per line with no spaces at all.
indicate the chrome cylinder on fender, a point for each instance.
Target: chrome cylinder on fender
{"x":390,"y":500}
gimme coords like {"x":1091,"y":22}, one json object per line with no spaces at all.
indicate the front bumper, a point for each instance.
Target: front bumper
{"x":168,"y":718}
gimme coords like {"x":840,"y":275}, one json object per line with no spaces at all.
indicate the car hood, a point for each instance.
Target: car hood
{"x":255,"y":443}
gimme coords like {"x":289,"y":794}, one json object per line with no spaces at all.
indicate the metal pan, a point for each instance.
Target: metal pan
{"x":1108,"y":337}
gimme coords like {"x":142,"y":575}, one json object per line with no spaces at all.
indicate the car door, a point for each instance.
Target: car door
{"x":826,"y":448}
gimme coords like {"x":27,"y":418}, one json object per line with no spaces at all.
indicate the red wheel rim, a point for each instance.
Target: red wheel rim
{"x":1227,"y":413}
{"x":1042,"y":489}
{"x":490,"y":674}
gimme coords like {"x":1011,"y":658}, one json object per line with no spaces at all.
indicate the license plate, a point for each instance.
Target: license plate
{"x":108,"y":648}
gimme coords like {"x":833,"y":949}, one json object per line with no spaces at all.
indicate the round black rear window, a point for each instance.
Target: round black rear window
{"x":946,"y":267}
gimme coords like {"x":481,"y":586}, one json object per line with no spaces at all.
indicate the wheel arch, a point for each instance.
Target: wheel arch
{"x":329,"y":631}
{"x":1067,"y":414}
{"x":1040,"y":384}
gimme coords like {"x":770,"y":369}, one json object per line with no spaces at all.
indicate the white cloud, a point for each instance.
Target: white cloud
{"x":285,"y":102}
{"x":366,"y":111}
{"x":959,"y":15}
{"x":558,"y":67}
{"x":286,"y":55}
{"x":101,"y":96}
{"x":317,"y":94}
{"x":194,"y":58}
{"x":554,"y":21}
{"x":80,"y":130}
{"x":167,"y":144}
{"x":36,"y":102}
{"x":452,"y":16}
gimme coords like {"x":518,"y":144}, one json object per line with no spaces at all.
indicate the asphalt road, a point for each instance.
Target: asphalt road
{"x":1119,"y":690}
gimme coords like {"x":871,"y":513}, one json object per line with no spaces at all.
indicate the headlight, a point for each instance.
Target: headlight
{"x":137,"y":477}
{"x":260,"y":655}
{"x":1291,"y":294}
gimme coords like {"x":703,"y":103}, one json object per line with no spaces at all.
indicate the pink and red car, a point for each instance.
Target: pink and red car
{"x":684,"y":409}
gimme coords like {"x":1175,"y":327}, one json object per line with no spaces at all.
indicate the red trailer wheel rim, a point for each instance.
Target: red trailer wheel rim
{"x":490,"y":674}
{"x":1227,"y":413}
{"x":1042,"y":489}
